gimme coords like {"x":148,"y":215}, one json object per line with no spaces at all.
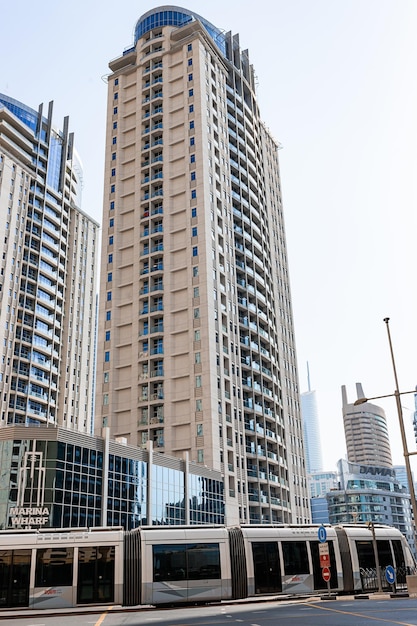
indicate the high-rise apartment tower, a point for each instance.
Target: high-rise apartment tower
{"x":48,"y":274}
{"x":196,"y":347}
{"x":366,"y":432}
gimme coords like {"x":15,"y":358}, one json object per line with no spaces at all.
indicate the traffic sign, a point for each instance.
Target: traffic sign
{"x":322,"y":534}
{"x":324,"y":554}
{"x":325,"y":572}
{"x":390,"y":574}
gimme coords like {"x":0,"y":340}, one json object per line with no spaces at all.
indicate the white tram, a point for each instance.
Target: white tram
{"x":63,"y":568}
{"x":187,"y":564}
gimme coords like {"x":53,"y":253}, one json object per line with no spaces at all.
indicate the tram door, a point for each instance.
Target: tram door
{"x":14,"y":577}
{"x":95,"y":574}
{"x":266,"y":567}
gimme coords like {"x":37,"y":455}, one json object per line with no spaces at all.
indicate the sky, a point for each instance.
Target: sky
{"x":337,"y":87}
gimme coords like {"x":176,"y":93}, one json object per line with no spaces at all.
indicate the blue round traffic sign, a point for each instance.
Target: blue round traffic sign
{"x":322,"y":534}
{"x":390,"y":574}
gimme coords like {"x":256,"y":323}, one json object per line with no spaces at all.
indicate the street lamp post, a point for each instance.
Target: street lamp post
{"x":403,"y":435}
{"x":406,"y":453}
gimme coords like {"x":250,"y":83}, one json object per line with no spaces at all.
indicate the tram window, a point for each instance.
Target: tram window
{"x":186,"y":562}
{"x":366,"y":556}
{"x":398,"y":553}
{"x":384,"y":553}
{"x":96,"y":571}
{"x":295,"y":557}
{"x":54,"y":566}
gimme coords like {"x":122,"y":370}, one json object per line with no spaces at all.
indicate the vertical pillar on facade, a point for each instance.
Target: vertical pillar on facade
{"x":149,"y":447}
{"x":186,"y":487}
{"x":106,"y":436}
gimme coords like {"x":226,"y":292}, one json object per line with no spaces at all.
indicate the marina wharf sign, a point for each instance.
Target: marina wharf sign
{"x":28,"y":516}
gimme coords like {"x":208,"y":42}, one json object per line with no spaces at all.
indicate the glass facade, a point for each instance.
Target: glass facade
{"x":168,"y":505}
{"x":52,"y":481}
{"x":155,"y":19}
{"x":206,"y":500}
{"x":127,"y":499}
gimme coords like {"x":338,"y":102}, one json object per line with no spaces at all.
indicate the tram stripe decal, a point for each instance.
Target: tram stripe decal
{"x":376,"y":619}
{"x":103,"y":617}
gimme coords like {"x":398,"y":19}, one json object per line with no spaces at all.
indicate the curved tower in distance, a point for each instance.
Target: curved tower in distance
{"x":366,"y":432}
{"x":196,"y":350}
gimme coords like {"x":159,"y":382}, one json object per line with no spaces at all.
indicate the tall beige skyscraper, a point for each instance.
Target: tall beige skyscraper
{"x":366,"y":432}
{"x":196,"y":348}
{"x":48,"y":274}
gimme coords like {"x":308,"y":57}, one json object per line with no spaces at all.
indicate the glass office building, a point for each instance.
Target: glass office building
{"x":53,"y":477}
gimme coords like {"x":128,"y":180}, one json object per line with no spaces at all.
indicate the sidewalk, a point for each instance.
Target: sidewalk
{"x":117,"y":608}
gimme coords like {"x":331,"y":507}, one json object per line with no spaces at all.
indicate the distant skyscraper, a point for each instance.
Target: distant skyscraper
{"x":312,"y":445}
{"x":366,"y":432}
{"x":48,"y":274}
{"x":196,"y":348}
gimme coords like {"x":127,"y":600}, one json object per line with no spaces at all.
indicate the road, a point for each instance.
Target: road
{"x":343,"y":612}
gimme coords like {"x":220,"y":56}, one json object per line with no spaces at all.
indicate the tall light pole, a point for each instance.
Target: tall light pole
{"x":406,"y":453}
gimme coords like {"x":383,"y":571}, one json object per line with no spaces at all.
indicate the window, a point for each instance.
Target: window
{"x":109,"y":277}
{"x":111,"y":222}
{"x":110,"y":258}
{"x":106,"y":377}
{"x":108,"y":316}
{"x":199,"y":429}
{"x":194,"y":561}
{"x":193,"y":194}
{"x":197,"y":358}
{"x":190,"y":93}
{"x":116,"y":81}
{"x":196,"y":313}
{"x":192,"y":158}
{"x":190,"y":47}
{"x":195,"y":270}
{"x":113,"y":171}
{"x":115,"y":111}
{"x":192,"y":141}
{"x":196,"y":292}
{"x":191,"y":108}
{"x":190,"y":62}
{"x":198,"y":382}
{"x":105,"y":399}
{"x":113,"y":156}
{"x":197,"y":335}
{"x":114,"y":125}
{"x":195,"y":250}
{"x":109,"y":295}
{"x":112,"y":205}
{"x":295,"y":557}
{"x":192,"y":124}
{"x":54,"y":566}
{"x":111,"y":240}
{"x":114,"y":141}
{"x":194,"y":231}
{"x":194,"y":212}
{"x":193,"y":175}
{"x":116,"y":96}
{"x":198,"y":405}
{"x":107,"y":356}
{"x":190,"y":77}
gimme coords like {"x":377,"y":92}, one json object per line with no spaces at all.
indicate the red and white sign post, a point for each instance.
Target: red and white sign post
{"x":325,"y":563}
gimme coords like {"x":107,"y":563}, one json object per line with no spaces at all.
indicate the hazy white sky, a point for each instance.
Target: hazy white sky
{"x":338,"y":89}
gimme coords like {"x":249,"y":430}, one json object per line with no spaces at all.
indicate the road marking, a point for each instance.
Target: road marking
{"x":369,"y":617}
{"x":102,"y":617}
